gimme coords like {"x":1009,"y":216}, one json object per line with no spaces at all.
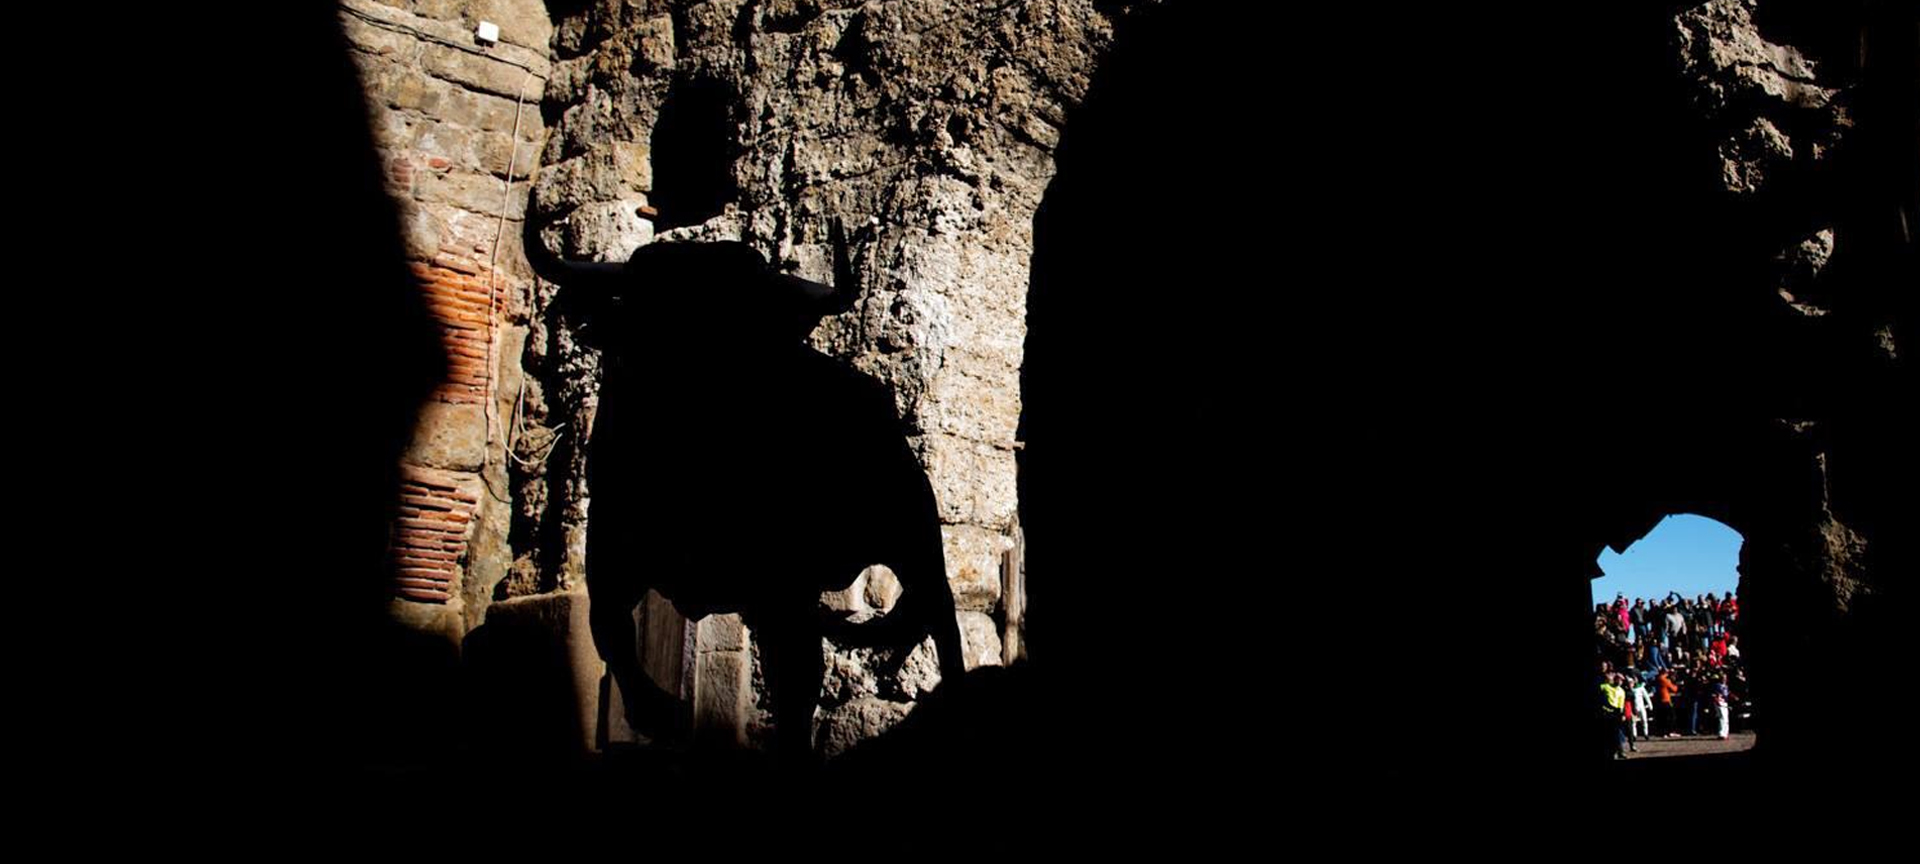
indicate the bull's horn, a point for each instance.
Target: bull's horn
{"x":564,"y":272}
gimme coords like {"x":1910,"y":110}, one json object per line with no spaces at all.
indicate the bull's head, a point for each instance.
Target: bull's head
{"x":714,"y":282}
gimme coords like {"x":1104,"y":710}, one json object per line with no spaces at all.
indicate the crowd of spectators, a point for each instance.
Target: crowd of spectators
{"x":1669,"y":669}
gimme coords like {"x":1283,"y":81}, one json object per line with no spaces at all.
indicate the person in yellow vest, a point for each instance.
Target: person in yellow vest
{"x":1614,"y":697}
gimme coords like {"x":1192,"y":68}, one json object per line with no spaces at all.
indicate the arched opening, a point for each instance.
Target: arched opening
{"x":1669,"y":669}
{"x":1275,"y":459}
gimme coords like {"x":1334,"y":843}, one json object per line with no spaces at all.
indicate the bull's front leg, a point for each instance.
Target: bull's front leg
{"x":792,"y":661}
{"x":649,"y":710}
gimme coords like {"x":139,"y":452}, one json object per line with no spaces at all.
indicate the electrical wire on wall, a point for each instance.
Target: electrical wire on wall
{"x":489,"y":408}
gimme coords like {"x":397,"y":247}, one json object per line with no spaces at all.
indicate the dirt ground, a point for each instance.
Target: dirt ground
{"x":1695,"y":746}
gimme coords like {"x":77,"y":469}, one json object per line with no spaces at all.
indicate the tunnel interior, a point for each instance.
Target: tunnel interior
{"x":1252,"y":356}
{"x":1268,"y":374}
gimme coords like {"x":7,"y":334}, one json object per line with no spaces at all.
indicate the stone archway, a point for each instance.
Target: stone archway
{"x":1809,"y":608}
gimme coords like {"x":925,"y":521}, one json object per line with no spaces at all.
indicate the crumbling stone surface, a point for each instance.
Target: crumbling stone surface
{"x":1778,"y":119}
{"x":930,"y":128}
{"x":861,"y":683}
{"x":1768,"y":97}
{"x":449,"y":437}
{"x":860,"y":720}
{"x":931,"y":123}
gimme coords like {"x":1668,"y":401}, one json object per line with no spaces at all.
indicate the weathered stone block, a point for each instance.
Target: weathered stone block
{"x":612,"y":172}
{"x":442,"y":622}
{"x":919,"y":672}
{"x":393,"y":130}
{"x":441,"y":9}
{"x":451,"y":145}
{"x":608,"y":231}
{"x":974,"y":557}
{"x":522,"y":22}
{"x":655,"y":38}
{"x":421,"y":231}
{"x":844,"y":727}
{"x":460,"y":107}
{"x":975,"y":482}
{"x":478,"y":193}
{"x":505,"y":115}
{"x":374,"y":39}
{"x":969,"y":404}
{"x":663,"y":641}
{"x":721,"y":696}
{"x":450,"y":437}
{"x":722,"y":633}
{"x":468,"y":232}
{"x":489,"y":554}
{"x":538,"y":674}
{"x":849,"y":676}
{"x":479,"y":73}
{"x":711,"y":24}
{"x":509,"y":372}
{"x":494,"y":155}
{"x":981,"y":640}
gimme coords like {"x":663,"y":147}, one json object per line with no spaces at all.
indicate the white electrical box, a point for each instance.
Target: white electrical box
{"x":489,"y":32}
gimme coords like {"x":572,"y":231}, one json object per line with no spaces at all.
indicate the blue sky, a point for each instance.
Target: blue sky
{"x":1685,"y":553}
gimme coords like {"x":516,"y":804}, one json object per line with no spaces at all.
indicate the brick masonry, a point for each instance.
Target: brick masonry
{"x":460,"y":303}
{"x":458,"y":125}
{"x":437,"y":510}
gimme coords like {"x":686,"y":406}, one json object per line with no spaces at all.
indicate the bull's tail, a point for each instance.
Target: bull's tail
{"x":926,"y":606}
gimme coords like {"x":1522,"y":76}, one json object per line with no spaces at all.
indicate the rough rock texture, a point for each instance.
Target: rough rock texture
{"x":1776,"y":121}
{"x":1545,"y":333}
{"x":1725,"y":177}
{"x":1767,"y":97}
{"x":932,"y":124}
{"x":1788,"y":148}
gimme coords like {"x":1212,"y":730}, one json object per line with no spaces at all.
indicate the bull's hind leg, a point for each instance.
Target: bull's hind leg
{"x":791,"y":660}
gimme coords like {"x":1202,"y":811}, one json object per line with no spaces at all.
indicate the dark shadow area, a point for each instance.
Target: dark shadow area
{"x":733,"y":468}
{"x":518,"y":679}
{"x":344,"y":684}
{"x":693,"y":147}
{"x":1252,"y":355}
{"x":290,"y":353}
{"x":1275,"y":382}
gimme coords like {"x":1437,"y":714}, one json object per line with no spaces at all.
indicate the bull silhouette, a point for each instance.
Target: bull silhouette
{"x":732,"y":468}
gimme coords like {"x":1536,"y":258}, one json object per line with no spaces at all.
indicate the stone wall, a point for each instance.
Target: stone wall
{"x":928,"y":126}
{"x":932,"y":125}
{"x":458,"y":126}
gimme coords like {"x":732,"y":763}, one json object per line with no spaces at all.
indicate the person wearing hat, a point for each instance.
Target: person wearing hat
{"x":733,"y":468}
